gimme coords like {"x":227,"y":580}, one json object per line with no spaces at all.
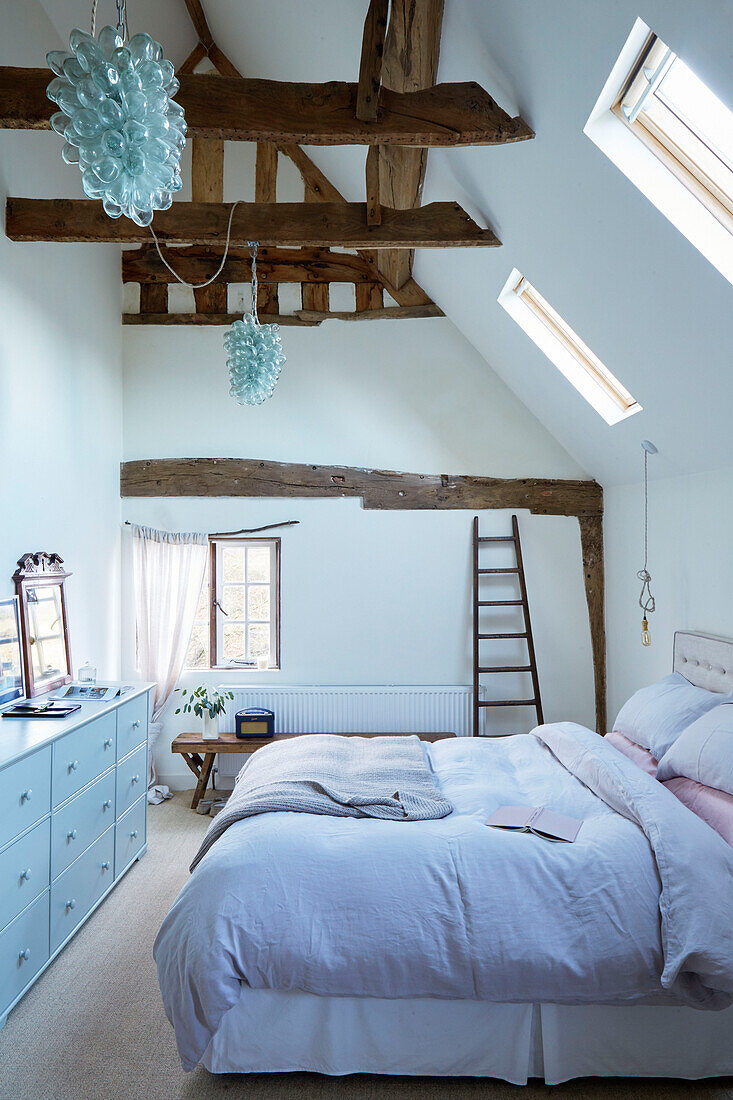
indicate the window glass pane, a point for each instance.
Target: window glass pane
{"x":232,"y":563}
{"x":233,"y":635}
{"x":198,"y":650}
{"x":259,"y":641}
{"x":233,"y":600}
{"x":258,"y":563}
{"x":258,"y":597}
{"x":202,"y":611}
{"x":693,"y":101}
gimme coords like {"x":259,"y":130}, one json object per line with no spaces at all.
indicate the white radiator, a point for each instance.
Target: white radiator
{"x":350,"y":710}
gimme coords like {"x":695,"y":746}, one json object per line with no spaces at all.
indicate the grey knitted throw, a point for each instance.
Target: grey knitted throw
{"x":319,"y":773}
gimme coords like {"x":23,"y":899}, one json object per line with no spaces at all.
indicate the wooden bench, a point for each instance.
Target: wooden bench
{"x":200,"y":754}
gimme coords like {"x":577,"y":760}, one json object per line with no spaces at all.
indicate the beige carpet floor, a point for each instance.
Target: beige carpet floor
{"x":93,"y":1028}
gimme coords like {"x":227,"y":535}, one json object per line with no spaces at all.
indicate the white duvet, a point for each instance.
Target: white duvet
{"x":638,"y":909}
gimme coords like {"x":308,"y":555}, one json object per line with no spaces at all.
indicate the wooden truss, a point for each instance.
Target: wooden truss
{"x":388,"y":489}
{"x":396,"y":110}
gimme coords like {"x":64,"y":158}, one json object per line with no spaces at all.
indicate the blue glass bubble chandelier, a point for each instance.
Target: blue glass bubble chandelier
{"x":119,"y":119}
{"x":255,"y":352}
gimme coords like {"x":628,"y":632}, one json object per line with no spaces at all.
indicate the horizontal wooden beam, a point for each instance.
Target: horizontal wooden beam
{"x":196,"y":263}
{"x":245,"y":477}
{"x":236,"y":109}
{"x":285,"y":224}
{"x":302,"y":318}
{"x":383,"y":313}
{"x":222,"y":320}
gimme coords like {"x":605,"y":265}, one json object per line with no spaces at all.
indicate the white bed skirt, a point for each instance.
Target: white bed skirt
{"x":274,"y":1032}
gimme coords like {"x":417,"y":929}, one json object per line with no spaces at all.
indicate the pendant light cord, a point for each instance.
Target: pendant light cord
{"x":646,"y":601}
{"x":217,"y":273}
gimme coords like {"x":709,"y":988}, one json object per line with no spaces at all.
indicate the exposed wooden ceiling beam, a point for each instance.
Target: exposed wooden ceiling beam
{"x":236,"y":109}
{"x":411,"y":54}
{"x":283,"y":224}
{"x":302,"y":318}
{"x":202,"y":320}
{"x":206,"y":39}
{"x":370,"y":68}
{"x":244,"y":477}
{"x":195,"y":264}
{"x":321,"y":188}
{"x":374,"y":208}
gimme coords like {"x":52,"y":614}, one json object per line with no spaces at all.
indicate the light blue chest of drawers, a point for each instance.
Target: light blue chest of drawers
{"x":73,"y":819}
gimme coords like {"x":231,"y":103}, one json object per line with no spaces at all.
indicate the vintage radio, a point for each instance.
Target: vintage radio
{"x":254,"y":722}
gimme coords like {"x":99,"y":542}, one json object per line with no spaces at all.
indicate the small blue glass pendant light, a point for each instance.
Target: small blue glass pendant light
{"x":117,"y":114}
{"x":255,"y":352}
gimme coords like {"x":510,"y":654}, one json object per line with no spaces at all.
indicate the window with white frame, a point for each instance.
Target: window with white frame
{"x":673,"y":138}
{"x":684,"y":124}
{"x":238,"y":617}
{"x":572,"y":357}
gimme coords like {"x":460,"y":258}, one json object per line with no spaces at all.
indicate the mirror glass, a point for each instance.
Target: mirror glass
{"x":11,"y":662}
{"x":46,"y":634}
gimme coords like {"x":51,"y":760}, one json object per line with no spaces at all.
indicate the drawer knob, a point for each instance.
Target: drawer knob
{"x":26,"y":874}
{"x":133,"y":834}
{"x":24,"y":955}
{"x":105,"y":865}
{"x":26,"y":795}
{"x":71,"y":835}
{"x":73,"y":765}
{"x":135,"y":779}
{"x":107,"y":804}
{"x":136,"y":724}
{"x":71,"y":903}
{"x":108,"y":743}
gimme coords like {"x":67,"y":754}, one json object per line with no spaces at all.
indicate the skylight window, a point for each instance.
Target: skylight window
{"x":566,"y":350}
{"x":673,"y":138}
{"x":684,"y":124}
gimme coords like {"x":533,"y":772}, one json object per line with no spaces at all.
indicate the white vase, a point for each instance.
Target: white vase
{"x":211,"y":728}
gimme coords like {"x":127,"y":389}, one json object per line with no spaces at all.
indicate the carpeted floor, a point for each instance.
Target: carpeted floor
{"x":93,"y":1028}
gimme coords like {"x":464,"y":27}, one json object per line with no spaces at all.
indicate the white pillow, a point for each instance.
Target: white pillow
{"x":704,"y":751}
{"x":655,"y":716}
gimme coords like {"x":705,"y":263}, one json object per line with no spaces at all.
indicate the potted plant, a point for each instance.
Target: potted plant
{"x":205,"y":704}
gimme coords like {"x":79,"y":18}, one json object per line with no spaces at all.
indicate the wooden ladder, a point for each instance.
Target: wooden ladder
{"x":478,"y":637}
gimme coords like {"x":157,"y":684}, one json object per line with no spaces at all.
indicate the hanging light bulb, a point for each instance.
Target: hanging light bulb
{"x":647,"y":603}
{"x":255,"y":352}
{"x":117,"y":114}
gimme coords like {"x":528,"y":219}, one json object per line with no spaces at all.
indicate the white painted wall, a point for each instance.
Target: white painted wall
{"x":60,"y":382}
{"x":368,"y":597}
{"x":690,"y":539}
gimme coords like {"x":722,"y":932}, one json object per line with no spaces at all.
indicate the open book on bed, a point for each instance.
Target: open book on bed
{"x":538,"y":820}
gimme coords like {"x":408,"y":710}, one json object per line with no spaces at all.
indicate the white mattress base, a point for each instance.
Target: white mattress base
{"x":275,"y":1032}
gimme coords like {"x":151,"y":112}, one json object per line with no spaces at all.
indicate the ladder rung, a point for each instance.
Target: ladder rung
{"x":515,"y":570}
{"x":496,"y":538}
{"x":521,"y":634}
{"x":500,"y":603}
{"x":506,"y":668}
{"x":507,"y":703}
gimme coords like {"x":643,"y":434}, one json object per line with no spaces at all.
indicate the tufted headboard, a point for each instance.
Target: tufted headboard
{"x":704,"y":660}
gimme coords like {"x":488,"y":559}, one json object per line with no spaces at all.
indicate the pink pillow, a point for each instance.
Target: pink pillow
{"x":641,"y":757}
{"x":714,"y":807}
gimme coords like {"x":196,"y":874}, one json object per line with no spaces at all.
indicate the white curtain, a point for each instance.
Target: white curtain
{"x":169,"y":571}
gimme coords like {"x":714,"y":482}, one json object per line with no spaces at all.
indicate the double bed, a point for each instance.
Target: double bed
{"x":443,"y":947}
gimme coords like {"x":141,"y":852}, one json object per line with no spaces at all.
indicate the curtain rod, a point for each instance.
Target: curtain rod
{"x":242,"y":531}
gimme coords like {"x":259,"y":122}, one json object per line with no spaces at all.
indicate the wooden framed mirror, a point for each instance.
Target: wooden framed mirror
{"x":39,"y":582}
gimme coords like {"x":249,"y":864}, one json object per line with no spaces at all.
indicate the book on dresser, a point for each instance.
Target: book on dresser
{"x":73,"y":793}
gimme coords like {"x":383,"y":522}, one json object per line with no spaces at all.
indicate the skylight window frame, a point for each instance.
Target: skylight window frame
{"x":582,"y":368}
{"x":650,"y":174}
{"x":669,"y":136}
